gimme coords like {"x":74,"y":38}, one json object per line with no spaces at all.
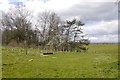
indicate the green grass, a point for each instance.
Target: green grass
{"x":100,"y":61}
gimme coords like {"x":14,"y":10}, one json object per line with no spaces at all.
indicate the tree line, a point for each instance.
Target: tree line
{"x":47,"y":31}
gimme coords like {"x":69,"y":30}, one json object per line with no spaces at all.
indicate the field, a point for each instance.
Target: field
{"x":100,"y":61}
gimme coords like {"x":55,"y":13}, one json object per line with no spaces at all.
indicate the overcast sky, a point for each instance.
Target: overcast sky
{"x":100,"y":16}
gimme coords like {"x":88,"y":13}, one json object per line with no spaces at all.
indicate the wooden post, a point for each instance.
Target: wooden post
{"x":26,"y":37}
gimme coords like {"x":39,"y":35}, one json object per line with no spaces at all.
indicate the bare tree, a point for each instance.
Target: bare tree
{"x":42,"y":27}
{"x":16,"y":24}
{"x":48,"y":24}
{"x":53,"y":32}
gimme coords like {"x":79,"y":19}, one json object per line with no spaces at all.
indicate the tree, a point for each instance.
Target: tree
{"x":17,"y":26}
{"x":42,"y":27}
{"x":54,"y":31}
{"x":49,"y":30}
{"x":16,"y":21}
{"x":48,"y":25}
{"x":72,"y":29}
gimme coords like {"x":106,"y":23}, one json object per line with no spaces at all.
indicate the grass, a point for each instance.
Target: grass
{"x":100,"y":61}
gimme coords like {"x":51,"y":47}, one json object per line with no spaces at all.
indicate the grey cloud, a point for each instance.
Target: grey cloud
{"x":92,"y":14}
{"x":111,"y":38}
{"x":93,"y":11}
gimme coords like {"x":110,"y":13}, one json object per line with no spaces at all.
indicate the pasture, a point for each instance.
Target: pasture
{"x":100,"y":61}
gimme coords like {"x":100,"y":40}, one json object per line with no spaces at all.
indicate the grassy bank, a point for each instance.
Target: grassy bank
{"x":100,"y":61}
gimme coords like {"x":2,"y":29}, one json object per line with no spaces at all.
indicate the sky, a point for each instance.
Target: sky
{"x":100,"y":16}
